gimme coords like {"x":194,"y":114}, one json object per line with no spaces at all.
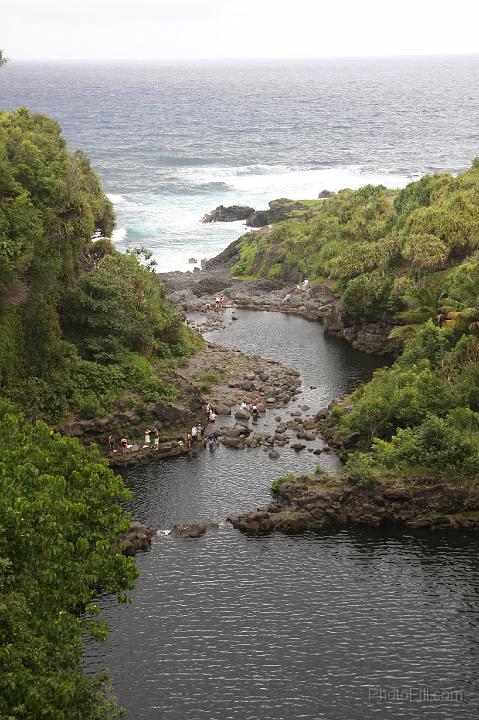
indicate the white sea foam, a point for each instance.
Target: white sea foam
{"x":170,"y":224}
{"x":115,"y":198}
{"x":118,"y":235}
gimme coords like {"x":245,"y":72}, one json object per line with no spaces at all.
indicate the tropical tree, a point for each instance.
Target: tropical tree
{"x":461,"y":306}
{"x":423,"y":303}
{"x":60,"y":517}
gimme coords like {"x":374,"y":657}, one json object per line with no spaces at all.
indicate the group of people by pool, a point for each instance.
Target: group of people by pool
{"x":303,"y":287}
{"x":148,"y":435}
{"x":199,"y":435}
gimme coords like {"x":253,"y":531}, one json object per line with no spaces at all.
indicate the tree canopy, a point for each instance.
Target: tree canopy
{"x":59,"y":521}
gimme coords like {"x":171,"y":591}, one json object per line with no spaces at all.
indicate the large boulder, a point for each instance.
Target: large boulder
{"x":233,"y":442}
{"x":138,"y":537}
{"x":232,"y":213}
{"x":242,"y":415}
{"x":236,"y":431}
{"x":73,"y":429}
{"x":169,"y":414}
{"x":280,"y":209}
{"x":192,"y":530}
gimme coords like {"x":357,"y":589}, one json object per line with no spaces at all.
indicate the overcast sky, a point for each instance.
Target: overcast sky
{"x":154,"y":29}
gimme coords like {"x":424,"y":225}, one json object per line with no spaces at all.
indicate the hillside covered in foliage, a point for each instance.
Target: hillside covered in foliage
{"x":410,"y":257}
{"x":80,"y":323}
{"x":81,"y":326}
{"x":373,"y":246}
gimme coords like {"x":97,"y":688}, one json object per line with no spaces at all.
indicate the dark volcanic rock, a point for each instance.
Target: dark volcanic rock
{"x":307,"y":504}
{"x":231,"y":213}
{"x":192,"y":530}
{"x":242,"y":415}
{"x":137,"y":538}
{"x":298,"y":446}
{"x":325,"y":194}
{"x":280,"y":209}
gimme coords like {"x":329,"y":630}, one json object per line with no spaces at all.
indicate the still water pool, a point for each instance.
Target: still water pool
{"x":345,"y":625}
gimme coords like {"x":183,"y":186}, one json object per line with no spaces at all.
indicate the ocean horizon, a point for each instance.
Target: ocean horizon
{"x":171,"y":140}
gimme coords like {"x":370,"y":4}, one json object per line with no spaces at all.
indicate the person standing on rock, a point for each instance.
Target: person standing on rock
{"x":217,"y":302}
{"x":147,"y":437}
{"x":222,"y":302}
{"x":212,"y":417}
{"x":194,"y":435}
{"x":208,"y":410}
{"x":157,"y":439}
{"x":111,"y":444}
{"x":124,"y":445}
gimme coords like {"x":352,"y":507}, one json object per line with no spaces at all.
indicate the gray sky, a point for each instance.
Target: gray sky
{"x":154,"y":29}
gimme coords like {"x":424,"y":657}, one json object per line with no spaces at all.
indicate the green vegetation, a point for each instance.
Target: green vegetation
{"x":372,"y":246}
{"x":80,"y":323}
{"x":60,"y":519}
{"x":411,"y":258}
{"x":81,"y":326}
{"x":422,"y":414}
{"x":276,"y":484}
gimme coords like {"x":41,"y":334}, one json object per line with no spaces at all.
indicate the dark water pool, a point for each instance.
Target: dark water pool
{"x":342,"y":625}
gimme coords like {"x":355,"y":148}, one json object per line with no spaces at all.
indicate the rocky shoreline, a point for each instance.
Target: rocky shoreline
{"x":218,"y":375}
{"x":196,"y":291}
{"x":317,"y":503}
{"x":280,"y":209}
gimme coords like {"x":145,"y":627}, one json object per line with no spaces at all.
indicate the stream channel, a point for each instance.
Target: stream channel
{"x":344,"y":625}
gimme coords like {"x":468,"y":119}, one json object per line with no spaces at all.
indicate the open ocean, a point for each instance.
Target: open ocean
{"x":172,"y":141}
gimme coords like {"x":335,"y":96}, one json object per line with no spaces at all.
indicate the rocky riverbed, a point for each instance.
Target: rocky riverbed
{"x":196,"y":292}
{"x":218,"y":375}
